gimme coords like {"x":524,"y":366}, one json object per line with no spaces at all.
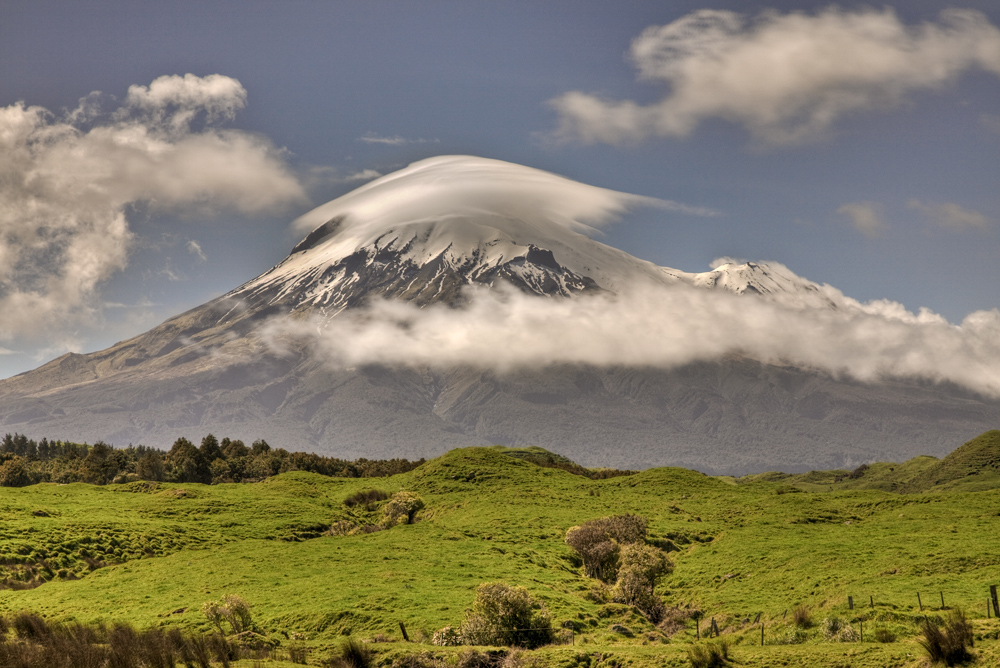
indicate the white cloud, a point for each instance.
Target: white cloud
{"x":395,"y":140}
{"x":661,"y":326}
{"x":195,"y":249}
{"x":453,"y":186}
{"x":866,"y":218}
{"x":362,"y":175}
{"x":950,"y":215}
{"x":66,"y":185}
{"x":785,"y":77}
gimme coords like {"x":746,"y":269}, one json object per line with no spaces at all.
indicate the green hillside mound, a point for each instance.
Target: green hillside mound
{"x":973,"y":466}
{"x":321,"y":558}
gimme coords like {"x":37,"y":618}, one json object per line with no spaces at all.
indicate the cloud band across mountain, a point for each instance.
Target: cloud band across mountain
{"x":663,"y":326}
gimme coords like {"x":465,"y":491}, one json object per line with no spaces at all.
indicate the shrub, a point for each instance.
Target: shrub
{"x":598,"y":542}
{"x":233,"y":609}
{"x":794,"y":636}
{"x":835,"y":630}
{"x":802,"y":616}
{"x":947,"y":642}
{"x":883,"y":634}
{"x":29,"y":626}
{"x":640,"y":568}
{"x":505,"y":615}
{"x":709,"y":654}
{"x":401,"y":509}
{"x":449,"y":636}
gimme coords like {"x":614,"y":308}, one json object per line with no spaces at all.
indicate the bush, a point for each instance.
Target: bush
{"x":505,"y":615}
{"x":709,"y":654}
{"x":401,"y":509}
{"x":640,"y":568}
{"x":947,"y":642}
{"x":835,"y":630}
{"x":884,"y":635}
{"x":233,"y":609}
{"x":449,"y":636}
{"x":598,"y":542}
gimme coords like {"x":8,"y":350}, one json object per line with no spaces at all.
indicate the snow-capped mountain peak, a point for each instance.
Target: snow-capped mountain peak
{"x":424,"y":232}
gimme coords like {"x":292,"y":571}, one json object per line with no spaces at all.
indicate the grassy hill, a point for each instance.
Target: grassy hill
{"x":975,"y":466}
{"x":152,"y":554}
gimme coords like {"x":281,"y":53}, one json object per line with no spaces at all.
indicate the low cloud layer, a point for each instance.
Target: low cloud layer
{"x":786,"y":78}
{"x":663,"y":326}
{"x":69,"y":183}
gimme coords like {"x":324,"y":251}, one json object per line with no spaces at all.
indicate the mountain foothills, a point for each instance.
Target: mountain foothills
{"x":258,"y":362}
{"x":633,"y":569}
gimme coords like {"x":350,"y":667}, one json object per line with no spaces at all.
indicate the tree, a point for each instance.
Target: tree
{"x":232,"y":449}
{"x":505,"y":615}
{"x":186,"y":463}
{"x":97,"y":467}
{"x":150,"y":467}
{"x":210,"y":450}
{"x":14,"y":473}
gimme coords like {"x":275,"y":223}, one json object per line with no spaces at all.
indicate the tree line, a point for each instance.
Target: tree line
{"x":24,"y":461}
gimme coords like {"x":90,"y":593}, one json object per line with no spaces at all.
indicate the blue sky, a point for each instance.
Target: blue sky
{"x":890,"y":192}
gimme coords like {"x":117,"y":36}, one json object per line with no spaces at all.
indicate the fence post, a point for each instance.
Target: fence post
{"x":872,"y":600}
{"x":919,"y":603}
{"x":850,"y":602}
{"x":942,"y":600}
{"x":403,"y":629}
{"x":861,"y":634}
{"x":697,"y":626}
{"x":762,"y":635}
{"x":996,"y":604}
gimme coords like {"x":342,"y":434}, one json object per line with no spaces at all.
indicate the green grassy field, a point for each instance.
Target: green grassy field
{"x":152,"y":554}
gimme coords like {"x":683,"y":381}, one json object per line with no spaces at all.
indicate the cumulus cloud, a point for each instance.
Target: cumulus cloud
{"x":950,"y":215}
{"x":786,"y":78}
{"x":865,"y":217}
{"x":661,"y":326}
{"x":67,"y":185}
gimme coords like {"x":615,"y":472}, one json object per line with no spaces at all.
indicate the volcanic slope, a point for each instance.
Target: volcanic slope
{"x":421,"y":235}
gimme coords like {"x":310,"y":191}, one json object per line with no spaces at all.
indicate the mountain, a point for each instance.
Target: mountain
{"x":421,"y":236}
